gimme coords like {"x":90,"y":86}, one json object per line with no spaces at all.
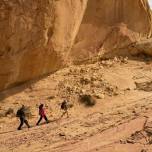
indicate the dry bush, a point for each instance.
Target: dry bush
{"x":10,"y":111}
{"x":87,"y":100}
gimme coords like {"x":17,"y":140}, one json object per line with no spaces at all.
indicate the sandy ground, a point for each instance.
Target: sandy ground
{"x":116,"y":123}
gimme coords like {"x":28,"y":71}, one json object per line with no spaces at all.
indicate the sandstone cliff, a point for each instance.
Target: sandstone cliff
{"x":39,"y":37}
{"x":35,"y":36}
{"x":111,"y":24}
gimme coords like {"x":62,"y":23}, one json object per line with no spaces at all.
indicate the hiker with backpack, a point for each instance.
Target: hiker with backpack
{"x":42,"y":114}
{"x":64,"y":107}
{"x":22,"y":117}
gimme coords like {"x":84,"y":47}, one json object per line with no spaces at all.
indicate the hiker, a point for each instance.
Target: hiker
{"x":64,"y":107}
{"x":22,"y":117}
{"x":42,"y":114}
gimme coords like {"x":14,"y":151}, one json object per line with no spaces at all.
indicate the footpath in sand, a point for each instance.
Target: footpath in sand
{"x":116,"y":123}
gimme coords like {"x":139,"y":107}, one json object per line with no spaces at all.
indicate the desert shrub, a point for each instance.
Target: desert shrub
{"x":9,"y":111}
{"x":87,"y":100}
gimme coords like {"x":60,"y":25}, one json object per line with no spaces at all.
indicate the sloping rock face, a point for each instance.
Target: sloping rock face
{"x":35,"y":37}
{"x":39,"y":37}
{"x":109,"y":25}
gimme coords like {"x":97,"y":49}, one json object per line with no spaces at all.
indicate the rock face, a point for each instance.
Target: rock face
{"x":111,"y":24}
{"x":35,"y":37}
{"x":39,"y":37}
{"x":144,"y":46}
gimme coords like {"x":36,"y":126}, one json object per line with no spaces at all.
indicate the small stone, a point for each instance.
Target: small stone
{"x":62,"y":134}
{"x":99,"y":96}
{"x":122,"y":141}
{"x":134,"y":111}
{"x":130,"y":141}
{"x":83,"y":91}
{"x":125,"y":60}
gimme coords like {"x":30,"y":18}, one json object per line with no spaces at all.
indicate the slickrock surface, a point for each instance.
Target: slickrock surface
{"x":122,"y":90}
{"x":39,"y":37}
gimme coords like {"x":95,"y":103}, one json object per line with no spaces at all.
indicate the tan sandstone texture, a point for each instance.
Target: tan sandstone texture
{"x":111,"y":25}
{"x":41,"y":36}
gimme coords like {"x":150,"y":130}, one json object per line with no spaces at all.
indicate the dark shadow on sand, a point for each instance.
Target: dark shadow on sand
{"x":20,"y":86}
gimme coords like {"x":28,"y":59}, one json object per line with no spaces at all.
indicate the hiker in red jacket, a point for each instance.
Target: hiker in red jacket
{"x":42,"y":114}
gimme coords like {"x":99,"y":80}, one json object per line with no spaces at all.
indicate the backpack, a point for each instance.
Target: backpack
{"x":18,"y":113}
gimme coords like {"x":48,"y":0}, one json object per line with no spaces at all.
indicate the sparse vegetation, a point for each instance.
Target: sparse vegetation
{"x":87,"y":100}
{"x":10,"y":111}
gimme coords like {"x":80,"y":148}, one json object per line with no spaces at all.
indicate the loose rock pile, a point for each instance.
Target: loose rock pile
{"x":86,"y":80}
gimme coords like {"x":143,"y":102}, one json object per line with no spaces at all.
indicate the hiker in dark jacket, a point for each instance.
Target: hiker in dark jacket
{"x":22,"y":117}
{"x":64,"y":107}
{"x":42,"y":114}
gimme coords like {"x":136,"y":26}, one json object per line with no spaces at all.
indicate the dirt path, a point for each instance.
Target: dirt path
{"x":94,"y":132}
{"x":102,"y":139}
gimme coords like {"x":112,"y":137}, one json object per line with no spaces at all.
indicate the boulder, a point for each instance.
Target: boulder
{"x":144,"y":46}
